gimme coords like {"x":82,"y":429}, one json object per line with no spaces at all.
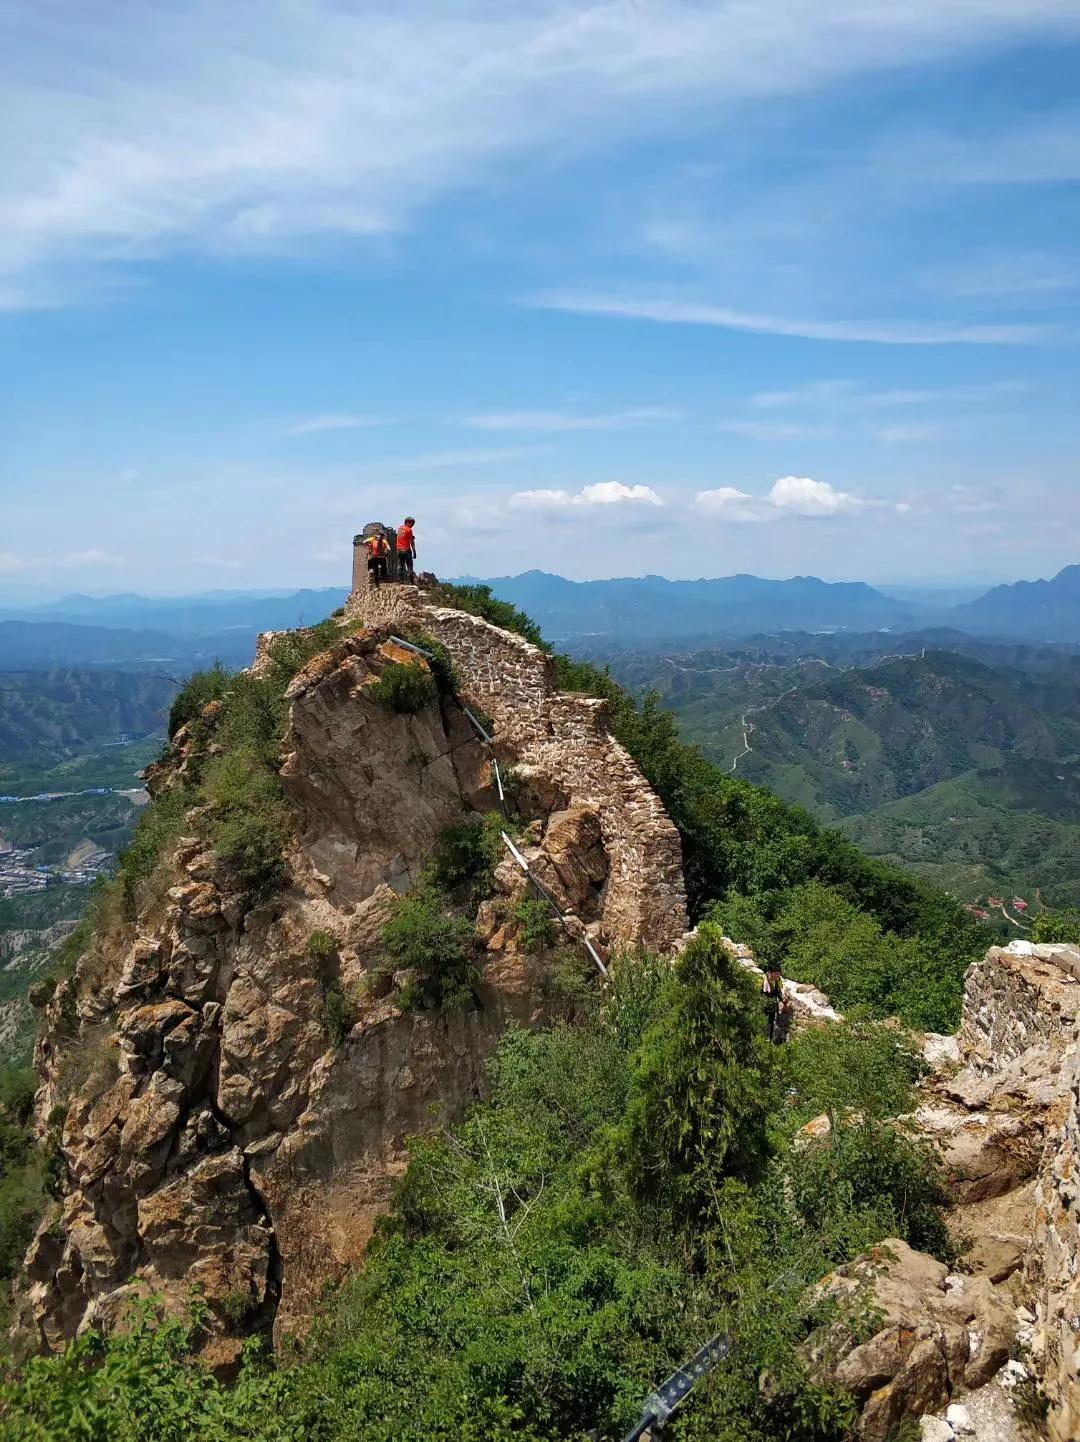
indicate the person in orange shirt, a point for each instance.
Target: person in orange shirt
{"x":378,"y":549}
{"x":406,"y":549}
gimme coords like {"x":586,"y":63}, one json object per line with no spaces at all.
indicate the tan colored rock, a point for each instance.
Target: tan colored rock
{"x":936,"y":1336}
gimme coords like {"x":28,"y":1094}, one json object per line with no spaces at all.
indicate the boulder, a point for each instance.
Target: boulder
{"x":935,"y":1335}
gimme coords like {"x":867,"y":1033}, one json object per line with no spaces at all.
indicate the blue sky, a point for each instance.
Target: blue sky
{"x":788,"y":287}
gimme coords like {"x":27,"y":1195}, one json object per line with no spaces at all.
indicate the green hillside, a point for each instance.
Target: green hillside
{"x":53,"y":714}
{"x":958,"y":764}
{"x":1013,"y":828}
{"x":869,"y":736}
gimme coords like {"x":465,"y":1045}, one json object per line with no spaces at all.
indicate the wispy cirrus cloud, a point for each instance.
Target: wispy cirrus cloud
{"x":453,"y":457}
{"x":849,"y":395}
{"x":899,"y":332}
{"x":315,"y":425}
{"x":774,"y":430}
{"x":558,"y":421}
{"x":243,"y":128}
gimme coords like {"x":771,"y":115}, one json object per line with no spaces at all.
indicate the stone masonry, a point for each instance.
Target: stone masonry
{"x":559,"y":739}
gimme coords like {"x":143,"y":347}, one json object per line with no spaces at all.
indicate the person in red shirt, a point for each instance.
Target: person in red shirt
{"x":406,"y":549}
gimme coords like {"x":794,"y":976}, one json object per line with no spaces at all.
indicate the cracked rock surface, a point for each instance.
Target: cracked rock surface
{"x":215,"y":1141}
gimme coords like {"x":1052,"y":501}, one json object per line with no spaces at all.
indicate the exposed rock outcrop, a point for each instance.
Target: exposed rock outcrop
{"x":558,"y":744}
{"x":932,"y":1336}
{"x":1002,"y":1110}
{"x":220,"y":1137}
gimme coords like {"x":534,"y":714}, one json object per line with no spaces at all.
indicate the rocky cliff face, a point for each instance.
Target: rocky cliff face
{"x":1002,"y":1111}
{"x":219,"y":1138}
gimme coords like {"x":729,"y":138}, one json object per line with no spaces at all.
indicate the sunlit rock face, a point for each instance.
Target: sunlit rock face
{"x":223,"y":1140}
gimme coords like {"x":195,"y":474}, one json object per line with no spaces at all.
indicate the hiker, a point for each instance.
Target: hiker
{"x":777,"y":1004}
{"x":378,"y":549}
{"x":406,"y":549}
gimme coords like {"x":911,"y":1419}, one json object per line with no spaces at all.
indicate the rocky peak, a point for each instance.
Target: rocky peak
{"x":230,"y":1102}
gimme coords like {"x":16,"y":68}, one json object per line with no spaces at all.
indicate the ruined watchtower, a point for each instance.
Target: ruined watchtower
{"x":360,"y":555}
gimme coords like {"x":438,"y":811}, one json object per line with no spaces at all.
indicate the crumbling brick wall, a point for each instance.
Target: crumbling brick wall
{"x":563,"y":737}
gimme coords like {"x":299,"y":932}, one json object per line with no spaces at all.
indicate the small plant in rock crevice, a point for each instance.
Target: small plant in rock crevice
{"x":339,"y":1014}
{"x":534,"y":916}
{"x":321,"y":946}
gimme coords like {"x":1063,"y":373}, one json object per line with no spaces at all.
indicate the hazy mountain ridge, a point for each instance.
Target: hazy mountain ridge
{"x":59,"y":712}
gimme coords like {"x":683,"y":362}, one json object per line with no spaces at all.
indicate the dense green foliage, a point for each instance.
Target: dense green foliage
{"x":434,"y":946}
{"x":196,"y":692}
{"x":465,"y":856}
{"x":20,"y":1169}
{"x":537,"y":923}
{"x":479,"y":601}
{"x":960,"y":763}
{"x":1057,"y":926}
{"x":759,"y":854}
{"x":629,"y":1188}
{"x":1005,"y":829}
{"x":404,"y":687}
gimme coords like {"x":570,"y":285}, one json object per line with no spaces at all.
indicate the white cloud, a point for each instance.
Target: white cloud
{"x":241,"y":127}
{"x":888,"y":332}
{"x":568,"y":421}
{"x":316,"y":424}
{"x":731,"y":504}
{"x":9,"y":564}
{"x":602,"y":493}
{"x":1046,"y":150}
{"x":446,"y":460}
{"x":92,"y":557}
{"x":1004,"y":275}
{"x":788,"y":496}
{"x":801,"y":496}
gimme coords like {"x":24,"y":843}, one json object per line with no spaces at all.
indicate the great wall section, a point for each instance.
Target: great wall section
{"x":231,"y":1145}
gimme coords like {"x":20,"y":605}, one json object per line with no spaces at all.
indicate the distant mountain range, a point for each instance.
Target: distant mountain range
{"x":179,"y":634}
{"x":645,"y":610}
{"x":1043,"y":610}
{"x":187,"y":615}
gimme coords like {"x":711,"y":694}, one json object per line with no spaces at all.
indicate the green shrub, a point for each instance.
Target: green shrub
{"x":237,"y":1307}
{"x":247,"y":819}
{"x":699,"y":1088}
{"x":465,"y":856}
{"x":21,"y":1181}
{"x":146,"y":1384}
{"x":1057,"y":926}
{"x":422,"y":937}
{"x":571,"y":978}
{"x":159,"y":828}
{"x":869,"y":1180}
{"x":339,"y":1014}
{"x":404,"y":687}
{"x":321,"y":946}
{"x":438,"y":658}
{"x":479,"y":601}
{"x":536,"y":922}
{"x":196,"y":692}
